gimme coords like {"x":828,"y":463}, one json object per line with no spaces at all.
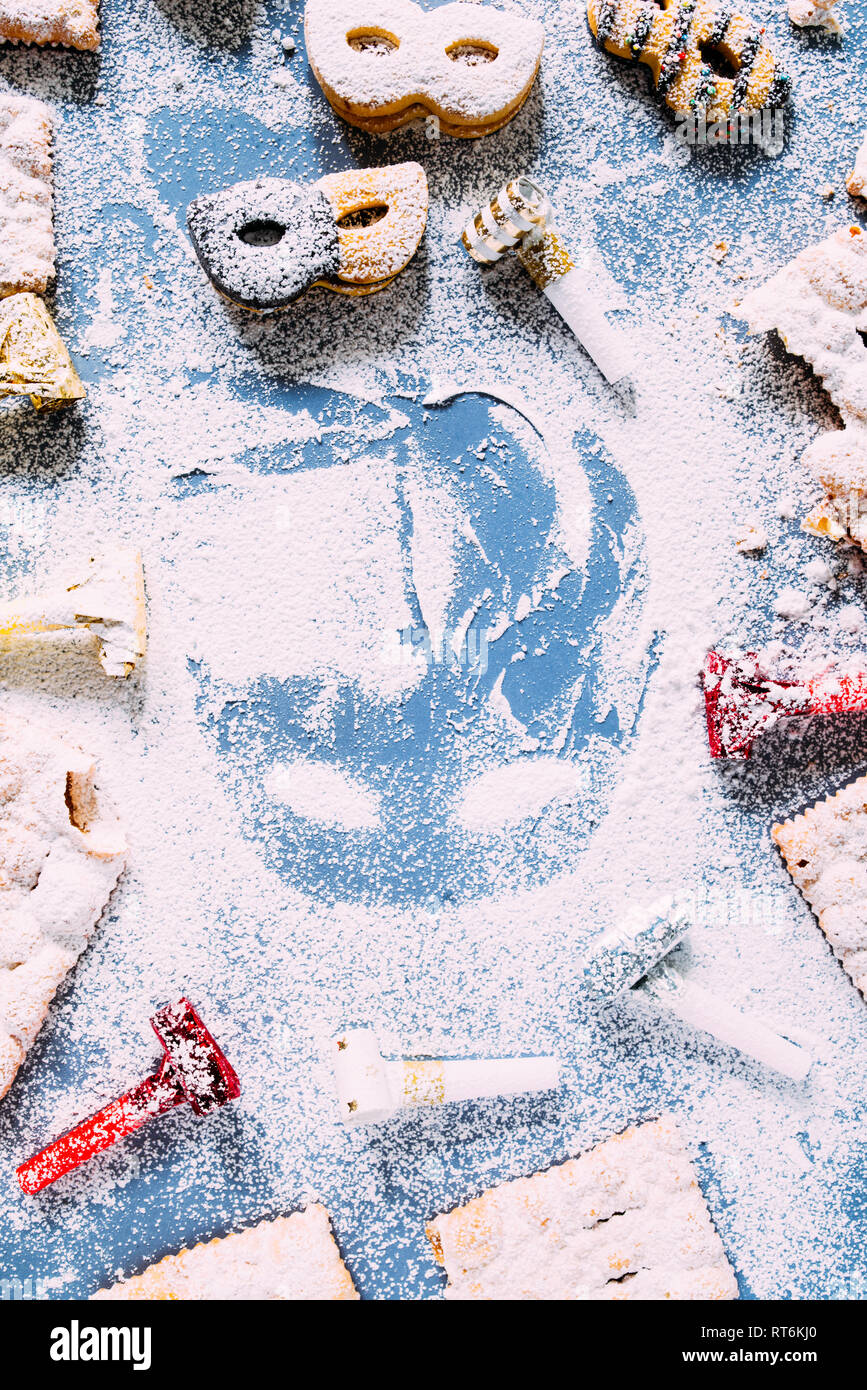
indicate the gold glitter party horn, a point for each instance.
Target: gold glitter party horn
{"x":520,"y":216}
{"x":33,"y":359}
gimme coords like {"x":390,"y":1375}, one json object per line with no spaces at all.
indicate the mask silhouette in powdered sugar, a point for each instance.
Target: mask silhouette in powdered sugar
{"x":466,"y":675}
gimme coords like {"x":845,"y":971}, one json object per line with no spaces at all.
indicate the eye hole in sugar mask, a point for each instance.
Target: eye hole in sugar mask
{"x":261,"y":233}
{"x":718,"y":62}
{"x":377,"y":42}
{"x":363,"y":217}
{"x":473,"y":53}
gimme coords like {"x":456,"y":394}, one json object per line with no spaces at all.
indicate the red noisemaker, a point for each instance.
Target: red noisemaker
{"x":194,"y":1071}
{"x":741,"y":701}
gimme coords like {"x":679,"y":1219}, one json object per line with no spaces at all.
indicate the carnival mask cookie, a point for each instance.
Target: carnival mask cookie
{"x":702,"y":56}
{"x":264,"y":242}
{"x":384,"y":63}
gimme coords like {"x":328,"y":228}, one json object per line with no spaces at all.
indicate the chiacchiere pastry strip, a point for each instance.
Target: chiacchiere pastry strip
{"x":61,"y":853}
{"x":818,"y":305}
{"x":625,"y":1221}
{"x":194,"y":1071}
{"x":825,"y":850}
{"x":26,"y":213}
{"x":106,"y":598}
{"x":629,"y":960}
{"x":264,"y":242}
{"x":71,"y":23}
{"x":520,"y":218}
{"x":857,"y":180}
{"x":33,"y":359}
{"x":291,"y":1258}
{"x":384,"y":63}
{"x":372,"y":1088}
{"x":702,"y":55}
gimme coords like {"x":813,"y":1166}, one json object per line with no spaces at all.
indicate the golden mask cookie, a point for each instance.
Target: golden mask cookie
{"x":702,"y":56}
{"x":384,"y":63}
{"x":624,"y":1221}
{"x":825,"y":850}
{"x":264,"y":242}
{"x":292,"y":1258}
{"x":73,"y":23}
{"x":61,"y":854}
{"x":26,"y":223}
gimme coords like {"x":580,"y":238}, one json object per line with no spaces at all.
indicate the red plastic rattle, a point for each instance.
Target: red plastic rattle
{"x":741,"y":702}
{"x":193,"y":1072}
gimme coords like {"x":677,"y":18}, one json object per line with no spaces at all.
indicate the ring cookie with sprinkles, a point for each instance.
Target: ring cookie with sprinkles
{"x":703,"y":57}
{"x":264,"y":242}
{"x":292,"y":1258}
{"x":69,"y":23}
{"x":385,"y":63}
{"x":825,"y":850}
{"x":625,"y":1221}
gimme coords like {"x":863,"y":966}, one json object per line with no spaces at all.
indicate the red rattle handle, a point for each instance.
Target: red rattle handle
{"x":838,"y":695}
{"x":153,"y":1096}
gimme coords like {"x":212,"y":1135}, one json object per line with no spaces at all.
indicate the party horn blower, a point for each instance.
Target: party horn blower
{"x":631,"y":957}
{"x":194,"y":1071}
{"x":108,"y":599}
{"x":741,"y":702}
{"x":520,"y":216}
{"x":372,"y":1088}
{"x":33,"y":359}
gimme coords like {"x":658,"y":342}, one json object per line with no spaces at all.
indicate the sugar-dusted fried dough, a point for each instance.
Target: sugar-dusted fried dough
{"x":294,"y":1257}
{"x":624,"y":1221}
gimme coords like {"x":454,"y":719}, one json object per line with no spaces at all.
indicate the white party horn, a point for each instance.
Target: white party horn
{"x":107,"y":598}
{"x":521,"y":216}
{"x":371,"y":1088}
{"x":630,"y":956}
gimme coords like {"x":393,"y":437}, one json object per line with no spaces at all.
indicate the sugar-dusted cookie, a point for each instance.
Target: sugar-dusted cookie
{"x":818,"y":305}
{"x":73,"y":23}
{"x":294,"y":1257}
{"x":825,"y":850}
{"x":624,"y":1221}
{"x":815,"y":14}
{"x":702,"y":55}
{"x":262,"y":243}
{"x":384,"y":63}
{"x":838,"y":459}
{"x":26,"y":223}
{"x":857,"y":180}
{"x":61,"y":854}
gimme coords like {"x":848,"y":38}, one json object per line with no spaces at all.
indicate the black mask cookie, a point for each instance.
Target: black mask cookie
{"x":264,"y":242}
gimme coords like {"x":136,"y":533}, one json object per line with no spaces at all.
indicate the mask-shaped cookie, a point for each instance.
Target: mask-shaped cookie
{"x":264,"y":242}
{"x":384,"y":63}
{"x":702,"y":56}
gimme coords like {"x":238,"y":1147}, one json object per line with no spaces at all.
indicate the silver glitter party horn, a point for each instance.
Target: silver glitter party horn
{"x":631,"y":957}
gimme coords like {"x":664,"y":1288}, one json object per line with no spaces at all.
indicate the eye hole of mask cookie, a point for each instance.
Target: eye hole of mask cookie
{"x":363,"y":217}
{"x":472,"y":52}
{"x":721,"y":64}
{"x":261,"y":233}
{"x":377,"y":42}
